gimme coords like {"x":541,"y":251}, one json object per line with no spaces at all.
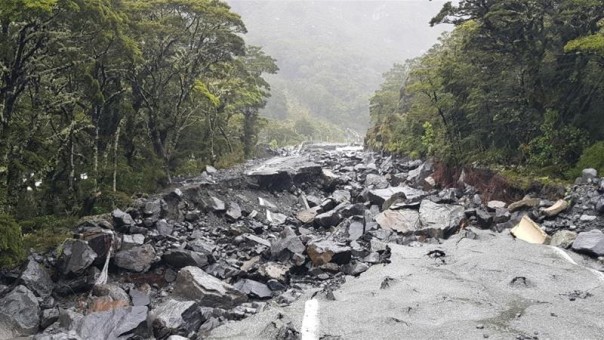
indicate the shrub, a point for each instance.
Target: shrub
{"x":592,"y":157}
{"x":11,"y":242}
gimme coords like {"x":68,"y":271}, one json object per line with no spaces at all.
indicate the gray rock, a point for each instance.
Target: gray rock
{"x":419,"y":174}
{"x":281,"y":172}
{"x":494,"y":205}
{"x":164,"y":228}
{"x":287,"y":244}
{"x":180,"y":258}
{"x":131,"y":241}
{"x":121,"y":218}
{"x":75,"y":257}
{"x":136,"y":259}
{"x":591,"y":243}
{"x":192,"y":283}
{"x":326,"y":251}
{"x":217,"y":205}
{"x":139,"y":298}
{"x":119,"y":323}
{"x":201,"y":246}
{"x":153,"y":208}
{"x":36,"y":278}
{"x":563,"y":238}
{"x":379,"y":196}
{"x":355,"y":230}
{"x":234,"y":212}
{"x":588,"y":174}
{"x":355,"y":269}
{"x":275,"y":218}
{"x":175,"y":317}
{"x":257,"y":240}
{"x":379,"y":182}
{"x":404,"y":221}
{"x":341,"y":196}
{"x":273,"y":270}
{"x":587,"y":218}
{"x":19,"y":313}
{"x":502,"y":215}
{"x":439,"y":220}
{"x":253,"y":289}
{"x":48,"y":317}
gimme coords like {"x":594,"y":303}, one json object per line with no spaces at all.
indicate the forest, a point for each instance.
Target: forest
{"x":101,"y":99}
{"x":516,"y":83}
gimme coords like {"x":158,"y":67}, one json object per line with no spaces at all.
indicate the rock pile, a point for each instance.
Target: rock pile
{"x":221,"y":246}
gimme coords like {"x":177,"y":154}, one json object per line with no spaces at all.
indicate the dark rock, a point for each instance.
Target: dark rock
{"x":600,"y":206}
{"x":485,"y":220}
{"x":419,"y":174}
{"x":48,"y":317}
{"x":287,"y":244}
{"x":79,"y":284}
{"x":591,"y":243}
{"x":193,"y":283}
{"x":100,"y":240}
{"x":282,"y":172}
{"x":502,"y":215}
{"x":136,"y":259}
{"x":201,"y":246}
{"x":253,"y":289}
{"x":222,"y":270}
{"x":379,"y":196}
{"x":175,"y":317}
{"x":37,"y":278}
{"x":75,"y":257}
{"x":19,"y":313}
{"x":440,"y":220}
{"x":179,"y":258}
{"x":328,"y":219}
{"x":120,"y":323}
{"x":323,"y":252}
{"x":275,"y":285}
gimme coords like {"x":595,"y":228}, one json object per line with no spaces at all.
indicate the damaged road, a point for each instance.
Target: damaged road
{"x":490,"y":287}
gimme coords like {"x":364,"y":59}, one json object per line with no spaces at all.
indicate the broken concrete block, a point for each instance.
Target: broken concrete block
{"x":529,"y":231}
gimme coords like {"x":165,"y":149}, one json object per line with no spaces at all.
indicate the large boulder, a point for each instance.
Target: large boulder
{"x":175,"y":317}
{"x":591,"y":243}
{"x":380,"y":196}
{"x":119,"y":323}
{"x":19,"y":313}
{"x":136,"y":259}
{"x":192,"y":283}
{"x":180,"y":258}
{"x":440,"y":220}
{"x":405,"y":221}
{"x":75,"y":257}
{"x":37,"y":278}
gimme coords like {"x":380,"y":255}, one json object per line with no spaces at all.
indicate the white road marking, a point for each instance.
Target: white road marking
{"x":310,"y":322}
{"x":567,"y":257}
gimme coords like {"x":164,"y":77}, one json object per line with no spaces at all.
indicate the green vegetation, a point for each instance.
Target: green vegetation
{"x":100,"y":99}
{"x":11,"y":242}
{"x":45,"y":233}
{"x":515,"y":83}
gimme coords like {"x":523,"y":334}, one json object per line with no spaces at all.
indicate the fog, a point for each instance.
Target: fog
{"x":332,"y":54}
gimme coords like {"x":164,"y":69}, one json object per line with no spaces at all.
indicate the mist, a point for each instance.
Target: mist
{"x":332,"y":54}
